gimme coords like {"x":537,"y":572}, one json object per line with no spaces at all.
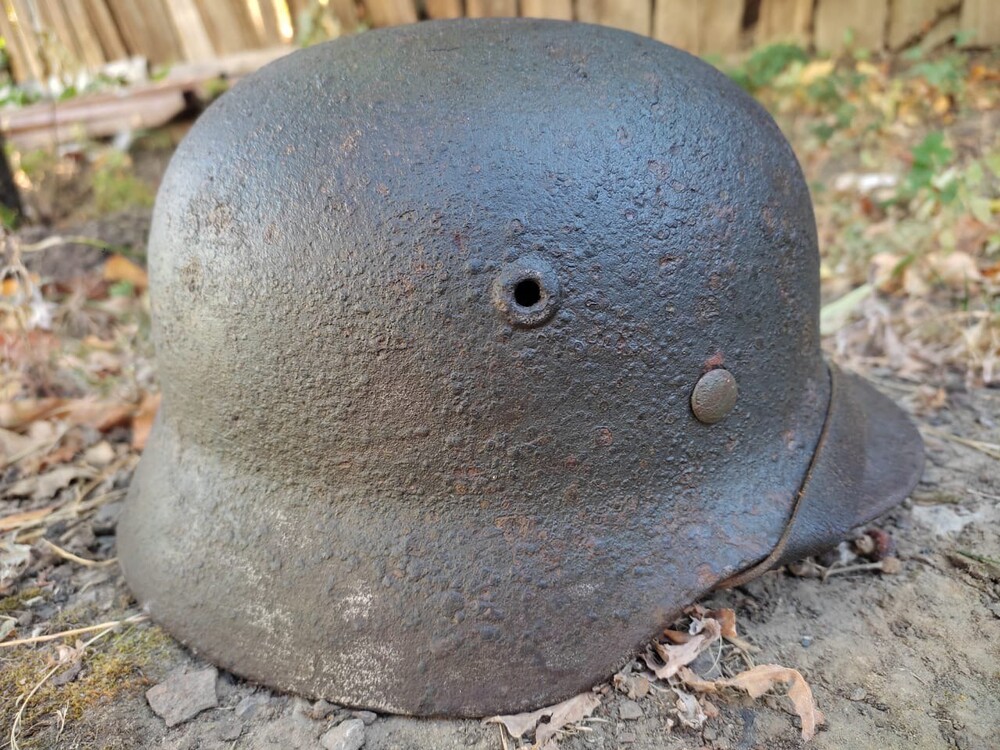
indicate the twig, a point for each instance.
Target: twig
{"x":67,"y":555}
{"x":43,"y":448}
{"x":983,"y":559}
{"x":852,"y":569}
{"x":57,"y":240}
{"x":990,"y":449}
{"x":133,"y":620}
{"x":19,"y":717}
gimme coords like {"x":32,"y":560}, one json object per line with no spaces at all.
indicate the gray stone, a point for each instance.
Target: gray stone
{"x":251,"y":706}
{"x":183,"y":696}
{"x":368,"y":717}
{"x":294,"y":732}
{"x":858,"y":694}
{"x":629,"y":710}
{"x":347,"y":736}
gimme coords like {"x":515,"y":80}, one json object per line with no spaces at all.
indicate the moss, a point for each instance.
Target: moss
{"x":115,"y":666}
{"x":16,"y":601}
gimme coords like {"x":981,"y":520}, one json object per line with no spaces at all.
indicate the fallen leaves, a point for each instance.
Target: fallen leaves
{"x":559,"y":716}
{"x":679,"y":655}
{"x":118,"y":268}
{"x":762,"y":679}
{"x":707,"y":627}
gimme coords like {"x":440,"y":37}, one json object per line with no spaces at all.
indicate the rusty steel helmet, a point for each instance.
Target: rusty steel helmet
{"x":485,"y":347}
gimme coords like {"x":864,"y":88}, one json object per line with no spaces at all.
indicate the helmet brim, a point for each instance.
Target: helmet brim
{"x":868,"y":459}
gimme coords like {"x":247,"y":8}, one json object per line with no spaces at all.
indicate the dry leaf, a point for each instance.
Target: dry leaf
{"x":759,"y":680}
{"x":14,"y":559}
{"x":17,"y":414}
{"x":689,"y":710}
{"x":142,"y":423}
{"x":680,"y":655}
{"x":559,"y":715}
{"x":14,"y":446}
{"x":47,"y":485}
{"x":16,"y":520}
{"x":120,"y":268}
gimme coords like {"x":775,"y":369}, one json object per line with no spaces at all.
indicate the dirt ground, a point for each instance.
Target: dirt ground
{"x":896,"y":659}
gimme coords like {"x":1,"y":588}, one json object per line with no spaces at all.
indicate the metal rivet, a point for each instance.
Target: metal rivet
{"x":714,"y":396}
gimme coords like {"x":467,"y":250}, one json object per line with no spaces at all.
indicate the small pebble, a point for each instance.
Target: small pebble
{"x":347,"y":736}
{"x":368,"y":717}
{"x":709,"y":734}
{"x":858,"y":694}
{"x":250,"y":706}
{"x":807,"y":641}
{"x":629,"y":710}
{"x":183,"y":696}
{"x":626,"y":738}
{"x":321,"y":709}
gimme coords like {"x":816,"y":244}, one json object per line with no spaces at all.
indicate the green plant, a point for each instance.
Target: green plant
{"x":764,"y":65}
{"x":930,"y":157}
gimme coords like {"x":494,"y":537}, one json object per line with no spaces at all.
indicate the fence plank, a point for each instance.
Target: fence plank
{"x":23,"y":22}
{"x":631,"y":15}
{"x":864,"y":19}
{"x":708,"y":26}
{"x":784,"y":21}
{"x":19,"y":65}
{"x":981,"y":19}
{"x":106,"y":30}
{"x":225,"y":28}
{"x":676,"y":22}
{"x":87,"y":42}
{"x":721,"y":26}
{"x":490,"y":8}
{"x":559,"y":9}
{"x":912,"y":19}
{"x":59,"y":39}
{"x":443,"y":8}
{"x":391,"y":12}
{"x":190,"y":29}
{"x":147,"y":30}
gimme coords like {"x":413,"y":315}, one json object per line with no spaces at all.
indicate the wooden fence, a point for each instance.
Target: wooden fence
{"x":44,"y":37}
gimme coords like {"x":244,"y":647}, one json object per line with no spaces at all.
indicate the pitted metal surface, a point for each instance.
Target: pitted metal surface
{"x":430,"y":304}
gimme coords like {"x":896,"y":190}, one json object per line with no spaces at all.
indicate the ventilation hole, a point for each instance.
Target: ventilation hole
{"x":527,"y":293}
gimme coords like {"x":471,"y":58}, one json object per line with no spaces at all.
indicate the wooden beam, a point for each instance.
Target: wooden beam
{"x":784,"y":21}
{"x":490,"y":8}
{"x":631,"y":15}
{"x":864,"y":20}
{"x":981,"y":20}
{"x":561,"y":10}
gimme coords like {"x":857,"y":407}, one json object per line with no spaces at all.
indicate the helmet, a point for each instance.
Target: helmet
{"x":485,"y":348}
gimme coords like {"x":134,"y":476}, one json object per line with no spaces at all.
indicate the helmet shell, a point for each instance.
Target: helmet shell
{"x":430,"y":304}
